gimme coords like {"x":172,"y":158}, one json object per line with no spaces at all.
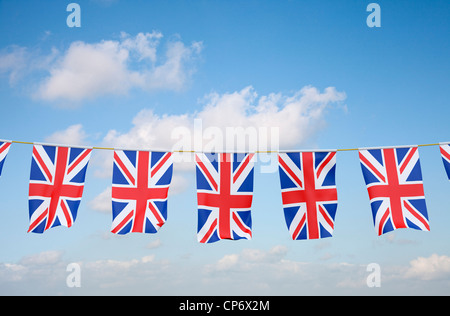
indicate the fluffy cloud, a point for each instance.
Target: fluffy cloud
{"x":89,"y":70}
{"x":248,"y":259}
{"x":434,"y":267}
{"x":12,"y":62}
{"x":19,"y":62}
{"x":102,"y":202}
{"x":73,"y":135}
{"x":297,"y":117}
{"x":248,"y":272}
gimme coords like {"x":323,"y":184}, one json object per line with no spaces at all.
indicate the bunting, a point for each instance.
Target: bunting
{"x":224,"y":196}
{"x":141,"y":181}
{"x":140,"y":187}
{"x":56,"y":185}
{"x":308,"y":191}
{"x":394,"y":182}
{"x":4,"y":149}
{"x":445,"y":153}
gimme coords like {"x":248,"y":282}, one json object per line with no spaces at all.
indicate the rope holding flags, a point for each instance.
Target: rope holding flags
{"x":141,"y":181}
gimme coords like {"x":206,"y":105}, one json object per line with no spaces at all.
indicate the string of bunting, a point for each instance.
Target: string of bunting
{"x":192,"y":151}
{"x":141,"y":181}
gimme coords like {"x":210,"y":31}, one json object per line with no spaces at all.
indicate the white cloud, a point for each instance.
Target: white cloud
{"x":88,"y":70}
{"x":102,"y":202}
{"x":43,"y":258}
{"x":298,"y":117}
{"x":73,"y":135}
{"x":12,"y":62}
{"x":143,"y":44}
{"x":249,"y":259}
{"x":36,"y":271}
{"x":270,"y":271}
{"x":109,"y":67}
{"x":114,"y":67}
{"x":248,"y":272}
{"x":18,"y":62}
{"x":153,"y":245}
{"x":434,"y":267}
{"x":226,"y":263}
{"x":172,"y":73}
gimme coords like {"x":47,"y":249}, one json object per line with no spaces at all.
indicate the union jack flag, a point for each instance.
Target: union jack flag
{"x":140,"y":186}
{"x":56,"y":185}
{"x":308,"y":192}
{"x":4,"y":148}
{"x":394,"y":183}
{"x":445,"y":153}
{"x":224,"y":196}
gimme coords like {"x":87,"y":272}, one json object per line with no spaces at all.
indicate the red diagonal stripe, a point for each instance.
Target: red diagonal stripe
{"x":371,"y":167}
{"x":416,"y":215}
{"x":324,"y":163}
{"x":156,"y":214}
{"x":299,"y":227}
{"x":326,"y":216}
{"x":383,"y":221}
{"x":242,"y":167}
{"x":123,"y":222}
{"x":160,"y":163}
{"x":42,"y":164}
{"x":38,"y":220}
{"x":66,"y":213}
{"x":80,"y":159}
{"x":206,"y":173}
{"x":124,"y":168}
{"x":290,"y":172}
{"x":445,"y":153}
{"x":240,"y":225}
{"x":408,"y":159}
{"x":4,"y":147}
{"x":209,"y":232}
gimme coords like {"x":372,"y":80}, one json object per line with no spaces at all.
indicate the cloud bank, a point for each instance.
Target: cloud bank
{"x":297,"y":116}
{"x":109,"y":67}
{"x":248,"y":272}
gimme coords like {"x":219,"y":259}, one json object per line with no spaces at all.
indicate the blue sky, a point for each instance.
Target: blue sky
{"x":135,"y":70}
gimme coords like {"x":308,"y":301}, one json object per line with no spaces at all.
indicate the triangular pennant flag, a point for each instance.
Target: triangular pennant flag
{"x":56,"y":185}
{"x":394,"y":182}
{"x":308,"y":191}
{"x":4,"y":149}
{"x":445,"y":153}
{"x":140,"y":187}
{"x":224,"y":196}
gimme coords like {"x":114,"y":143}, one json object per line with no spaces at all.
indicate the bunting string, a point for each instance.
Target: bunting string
{"x":257,"y":151}
{"x":141,"y":181}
